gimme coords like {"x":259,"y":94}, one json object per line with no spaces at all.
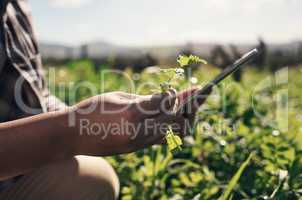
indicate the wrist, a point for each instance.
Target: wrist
{"x":67,"y":128}
{"x":83,"y":142}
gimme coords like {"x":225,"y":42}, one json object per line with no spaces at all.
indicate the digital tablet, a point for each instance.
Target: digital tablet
{"x":225,"y":73}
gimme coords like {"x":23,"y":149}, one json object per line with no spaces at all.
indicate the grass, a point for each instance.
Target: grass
{"x":231,"y":185}
{"x":238,"y":120}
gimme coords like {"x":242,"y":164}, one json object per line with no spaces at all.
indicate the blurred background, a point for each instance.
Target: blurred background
{"x":140,"y":33}
{"x":255,"y":114}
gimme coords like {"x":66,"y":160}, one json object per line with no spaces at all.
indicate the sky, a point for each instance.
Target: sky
{"x":167,"y":22}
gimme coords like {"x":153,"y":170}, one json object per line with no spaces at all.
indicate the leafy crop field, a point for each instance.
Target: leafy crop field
{"x":247,"y":142}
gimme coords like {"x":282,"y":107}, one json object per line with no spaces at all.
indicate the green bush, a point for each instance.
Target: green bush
{"x":227,"y":132}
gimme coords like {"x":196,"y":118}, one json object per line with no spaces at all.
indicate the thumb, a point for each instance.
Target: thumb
{"x":169,"y":102}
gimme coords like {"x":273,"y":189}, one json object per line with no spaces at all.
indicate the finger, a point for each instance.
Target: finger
{"x":183,"y":95}
{"x":181,"y":127}
{"x":202,"y":96}
{"x":193,"y":100}
{"x":178,"y":123}
{"x":158,"y":128}
{"x":155,"y":104}
{"x":178,"y":128}
{"x":168,"y":105}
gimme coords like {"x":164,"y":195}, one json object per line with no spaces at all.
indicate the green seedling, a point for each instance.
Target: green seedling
{"x":187,"y":60}
{"x":165,"y":86}
{"x":173,"y":74}
{"x":174,"y":141}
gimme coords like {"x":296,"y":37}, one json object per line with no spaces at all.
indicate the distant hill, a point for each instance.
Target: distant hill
{"x":101,"y":49}
{"x":57,"y":51}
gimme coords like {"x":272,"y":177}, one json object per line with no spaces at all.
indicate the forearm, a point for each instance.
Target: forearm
{"x":32,"y":142}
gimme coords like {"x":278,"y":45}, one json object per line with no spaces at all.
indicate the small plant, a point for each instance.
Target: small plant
{"x":187,"y":60}
{"x":212,"y":156}
{"x":174,"y":142}
{"x":172,"y":74}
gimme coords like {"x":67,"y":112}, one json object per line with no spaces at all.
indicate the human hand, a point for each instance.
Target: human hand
{"x":118,"y":122}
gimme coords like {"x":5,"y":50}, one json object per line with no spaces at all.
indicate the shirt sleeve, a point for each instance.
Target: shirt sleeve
{"x":54,"y":104}
{"x":3,"y":5}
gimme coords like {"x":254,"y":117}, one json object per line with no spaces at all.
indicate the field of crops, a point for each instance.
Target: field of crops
{"x":247,"y":142}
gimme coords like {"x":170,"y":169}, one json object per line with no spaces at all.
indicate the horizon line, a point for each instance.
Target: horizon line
{"x":169,"y":44}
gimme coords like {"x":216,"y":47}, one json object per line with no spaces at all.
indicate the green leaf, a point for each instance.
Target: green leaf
{"x":235,"y":179}
{"x":174,"y":142}
{"x":165,"y":86}
{"x":184,"y":60}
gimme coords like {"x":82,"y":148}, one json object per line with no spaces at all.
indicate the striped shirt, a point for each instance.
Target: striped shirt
{"x":23,"y":89}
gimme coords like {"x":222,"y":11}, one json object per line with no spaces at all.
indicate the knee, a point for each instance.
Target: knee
{"x":79,"y":178}
{"x":98,"y":176}
{"x":82,"y":177}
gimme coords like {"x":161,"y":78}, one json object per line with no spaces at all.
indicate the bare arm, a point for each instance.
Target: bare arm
{"x":32,"y":142}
